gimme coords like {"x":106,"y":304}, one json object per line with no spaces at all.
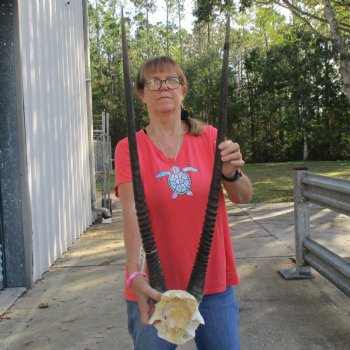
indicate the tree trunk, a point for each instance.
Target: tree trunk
{"x":148,"y":36}
{"x":306,"y":147}
{"x":208,"y":34}
{"x":180,"y":35}
{"x":98,"y":43}
{"x":343,"y":51}
{"x":167,"y":27}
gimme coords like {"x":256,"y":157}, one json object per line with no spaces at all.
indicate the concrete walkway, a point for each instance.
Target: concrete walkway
{"x":79,"y":303}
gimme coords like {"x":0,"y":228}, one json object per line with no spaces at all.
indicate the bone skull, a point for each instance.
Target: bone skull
{"x":177,"y":317}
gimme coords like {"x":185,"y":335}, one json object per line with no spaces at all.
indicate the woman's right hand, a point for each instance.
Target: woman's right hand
{"x":146,"y":296}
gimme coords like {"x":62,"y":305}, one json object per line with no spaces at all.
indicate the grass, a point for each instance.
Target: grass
{"x":273,"y":182}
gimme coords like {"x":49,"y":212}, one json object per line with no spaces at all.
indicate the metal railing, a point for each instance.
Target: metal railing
{"x":330,"y":193}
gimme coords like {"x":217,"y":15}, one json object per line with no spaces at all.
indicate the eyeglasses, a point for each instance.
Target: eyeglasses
{"x":155,"y":84}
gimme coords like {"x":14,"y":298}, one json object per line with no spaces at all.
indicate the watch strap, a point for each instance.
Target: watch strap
{"x":237,"y":175}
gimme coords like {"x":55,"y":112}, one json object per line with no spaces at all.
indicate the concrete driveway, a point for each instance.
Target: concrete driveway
{"x":79,"y":304}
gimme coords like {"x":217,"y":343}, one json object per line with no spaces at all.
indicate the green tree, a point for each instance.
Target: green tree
{"x":330,"y":20}
{"x":147,"y":7}
{"x":285,"y":99}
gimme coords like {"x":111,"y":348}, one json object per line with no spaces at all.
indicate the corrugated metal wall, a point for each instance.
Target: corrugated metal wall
{"x":52,"y":49}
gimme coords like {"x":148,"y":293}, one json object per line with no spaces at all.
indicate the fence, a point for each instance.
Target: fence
{"x":103,"y":157}
{"x":330,"y":193}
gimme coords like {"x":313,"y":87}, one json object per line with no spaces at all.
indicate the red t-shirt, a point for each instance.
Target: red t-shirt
{"x":177,"y":201}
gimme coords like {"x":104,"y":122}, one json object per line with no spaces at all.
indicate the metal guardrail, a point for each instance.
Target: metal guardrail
{"x":330,"y":193}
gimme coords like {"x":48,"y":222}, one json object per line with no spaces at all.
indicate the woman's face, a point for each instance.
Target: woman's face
{"x":163,"y":100}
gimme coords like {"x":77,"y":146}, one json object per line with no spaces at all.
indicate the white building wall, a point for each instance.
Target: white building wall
{"x":52,"y":49}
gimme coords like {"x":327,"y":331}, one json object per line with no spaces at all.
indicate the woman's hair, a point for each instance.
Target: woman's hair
{"x":164,"y":63}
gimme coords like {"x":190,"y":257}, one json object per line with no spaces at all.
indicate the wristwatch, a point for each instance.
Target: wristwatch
{"x":237,"y":175}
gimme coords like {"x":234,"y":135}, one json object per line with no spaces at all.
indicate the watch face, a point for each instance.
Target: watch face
{"x":238,"y":174}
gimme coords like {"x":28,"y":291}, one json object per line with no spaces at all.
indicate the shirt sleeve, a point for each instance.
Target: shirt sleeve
{"x":122,"y":165}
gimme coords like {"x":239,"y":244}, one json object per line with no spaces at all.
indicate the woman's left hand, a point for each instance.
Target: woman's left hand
{"x":231,"y":157}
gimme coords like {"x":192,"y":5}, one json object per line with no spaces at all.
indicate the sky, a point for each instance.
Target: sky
{"x":188,"y":20}
{"x":160,"y":14}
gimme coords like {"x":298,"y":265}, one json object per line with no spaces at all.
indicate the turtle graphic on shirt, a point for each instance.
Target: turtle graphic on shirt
{"x":178,"y":180}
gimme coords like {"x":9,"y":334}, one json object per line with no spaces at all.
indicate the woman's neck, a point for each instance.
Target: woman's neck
{"x":166,"y":136}
{"x":165,"y":123}
{"x":164,"y":127}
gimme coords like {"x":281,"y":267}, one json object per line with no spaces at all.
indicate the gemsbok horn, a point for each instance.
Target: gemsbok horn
{"x":196,"y":283}
{"x":156,"y":276}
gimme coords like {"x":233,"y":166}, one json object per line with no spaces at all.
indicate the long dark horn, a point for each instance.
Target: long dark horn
{"x":156,"y":276}
{"x":197,"y":279}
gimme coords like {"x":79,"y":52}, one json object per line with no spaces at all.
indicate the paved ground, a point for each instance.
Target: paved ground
{"x":78,"y":304}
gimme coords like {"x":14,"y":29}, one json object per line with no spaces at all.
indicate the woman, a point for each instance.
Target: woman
{"x":176,"y":156}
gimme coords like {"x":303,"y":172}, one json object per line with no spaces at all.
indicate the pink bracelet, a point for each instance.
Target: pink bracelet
{"x":132,"y":276}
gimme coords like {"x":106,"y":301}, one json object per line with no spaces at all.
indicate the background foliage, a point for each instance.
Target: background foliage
{"x":285,"y":87}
